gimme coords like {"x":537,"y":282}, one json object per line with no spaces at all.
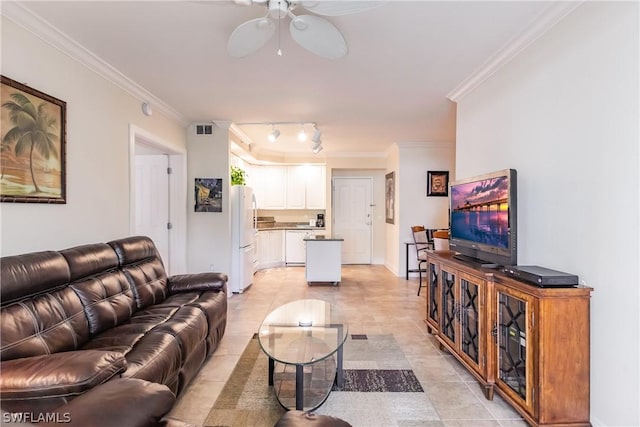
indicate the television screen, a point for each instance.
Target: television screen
{"x":480,"y":211}
{"x":482,"y":218}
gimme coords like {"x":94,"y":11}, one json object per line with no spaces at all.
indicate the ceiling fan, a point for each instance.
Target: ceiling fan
{"x":312,"y":32}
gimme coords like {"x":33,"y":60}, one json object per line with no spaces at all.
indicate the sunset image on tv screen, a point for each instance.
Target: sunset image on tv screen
{"x":480,"y":211}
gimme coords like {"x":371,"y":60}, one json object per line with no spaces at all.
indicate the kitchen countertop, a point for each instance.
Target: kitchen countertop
{"x":322,"y":238}
{"x":291,"y":227}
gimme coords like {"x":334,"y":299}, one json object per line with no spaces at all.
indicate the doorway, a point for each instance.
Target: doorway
{"x":158,"y":196}
{"x":352,"y":217}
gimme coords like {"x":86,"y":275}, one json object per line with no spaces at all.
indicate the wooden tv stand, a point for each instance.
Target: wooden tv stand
{"x":528,"y":344}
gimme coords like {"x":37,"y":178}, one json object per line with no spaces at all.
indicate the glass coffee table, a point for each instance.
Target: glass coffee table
{"x":302,"y":337}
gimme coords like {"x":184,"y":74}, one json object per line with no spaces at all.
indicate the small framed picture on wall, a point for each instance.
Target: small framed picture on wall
{"x":438,"y":184}
{"x":389,"y":197}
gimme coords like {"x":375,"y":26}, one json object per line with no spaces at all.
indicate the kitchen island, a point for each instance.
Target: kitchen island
{"x":323,"y":258}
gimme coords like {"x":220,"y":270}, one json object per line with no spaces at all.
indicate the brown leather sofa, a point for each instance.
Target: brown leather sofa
{"x":74,"y":319}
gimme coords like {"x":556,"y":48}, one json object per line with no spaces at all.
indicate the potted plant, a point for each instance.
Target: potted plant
{"x":238,"y":176}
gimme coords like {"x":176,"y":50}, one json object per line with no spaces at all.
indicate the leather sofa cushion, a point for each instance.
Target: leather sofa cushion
{"x":214,"y":306}
{"x":131,"y":250}
{"x":122,"y":402}
{"x":150,"y":356}
{"x":63,"y":375}
{"x":24,"y":276}
{"x":149,"y":282}
{"x":88,"y":260}
{"x":107,"y":299}
{"x":47,"y":323}
{"x":188,"y":326}
{"x":155,"y":357}
{"x":143,"y":266}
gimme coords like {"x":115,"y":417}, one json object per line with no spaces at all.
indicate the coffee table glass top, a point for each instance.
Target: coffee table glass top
{"x":303,"y":332}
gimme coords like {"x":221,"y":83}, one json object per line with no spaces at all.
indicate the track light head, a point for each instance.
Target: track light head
{"x":316,"y":136}
{"x":273,"y":136}
{"x":302,"y":135}
{"x":317,"y":149}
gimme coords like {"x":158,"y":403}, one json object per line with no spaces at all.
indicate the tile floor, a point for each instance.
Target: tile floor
{"x":374,"y":302}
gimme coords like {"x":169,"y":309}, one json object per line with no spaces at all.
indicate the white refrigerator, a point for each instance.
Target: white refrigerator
{"x":243,"y":238}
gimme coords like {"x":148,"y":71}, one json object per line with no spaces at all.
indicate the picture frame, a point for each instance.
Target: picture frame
{"x":389,"y":197}
{"x":32,"y":168}
{"x":438,"y":184}
{"x":208,"y":195}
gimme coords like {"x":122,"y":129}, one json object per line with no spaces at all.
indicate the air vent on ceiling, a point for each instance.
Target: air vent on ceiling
{"x":204,"y":129}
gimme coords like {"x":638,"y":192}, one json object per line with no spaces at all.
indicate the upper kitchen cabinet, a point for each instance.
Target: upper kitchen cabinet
{"x":290,"y":187}
{"x":271,"y":187}
{"x":296,"y":187}
{"x":306,"y":187}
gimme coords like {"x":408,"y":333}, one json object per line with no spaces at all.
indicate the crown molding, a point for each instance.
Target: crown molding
{"x":360,"y":155}
{"x":410,"y":145}
{"x":42,"y":29}
{"x":538,"y":27}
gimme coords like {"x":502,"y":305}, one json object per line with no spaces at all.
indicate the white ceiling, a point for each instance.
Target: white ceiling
{"x":404,"y":58}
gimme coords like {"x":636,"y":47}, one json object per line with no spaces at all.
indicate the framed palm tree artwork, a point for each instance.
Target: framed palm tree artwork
{"x":32,"y":145}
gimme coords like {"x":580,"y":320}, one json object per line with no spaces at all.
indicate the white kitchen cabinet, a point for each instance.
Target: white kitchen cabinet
{"x":306,"y":187}
{"x":294,"y":246}
{"x":296,"y":187}
{"x":270,"y":248}
{"x":271,"y":188}
{"x":316,"y":188}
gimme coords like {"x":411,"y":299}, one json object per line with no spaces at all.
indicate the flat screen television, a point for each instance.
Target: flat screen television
{"x":483,"y":219}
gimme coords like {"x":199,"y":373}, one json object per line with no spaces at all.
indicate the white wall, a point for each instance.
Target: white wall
{"x":98,"y":118}
{"x":564,"y":113}
{"x":209,"y":233}
{"x":414,"y":207}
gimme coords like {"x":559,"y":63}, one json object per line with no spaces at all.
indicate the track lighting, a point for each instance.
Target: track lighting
{"x":302,"y":135}
{"x":273,"y":136}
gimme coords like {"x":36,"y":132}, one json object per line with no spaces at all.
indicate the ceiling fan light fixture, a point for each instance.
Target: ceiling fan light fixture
{"x":278,"y":8}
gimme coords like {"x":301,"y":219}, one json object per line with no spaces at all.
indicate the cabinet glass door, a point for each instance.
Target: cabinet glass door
{"x":449,"y":305}
{"x":512,"y":342}
{"x":469,"y":318}
{"x":432,"y":301}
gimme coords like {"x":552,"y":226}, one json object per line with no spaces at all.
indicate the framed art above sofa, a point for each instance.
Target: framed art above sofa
{"x":33,"y":144}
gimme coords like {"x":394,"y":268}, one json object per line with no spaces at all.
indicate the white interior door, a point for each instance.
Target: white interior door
{"x":352,"y":218}
{"x":152,"y":201}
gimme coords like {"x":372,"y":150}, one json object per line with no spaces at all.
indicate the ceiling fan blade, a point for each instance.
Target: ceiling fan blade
{"x":319,"y":36}
{"x":250,"y":36}
{"x":337,"y":8}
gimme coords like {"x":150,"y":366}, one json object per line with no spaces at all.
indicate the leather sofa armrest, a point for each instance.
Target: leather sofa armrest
{"x":216,"y":282}
{"x":57,"y":375}
{"x":127,"y":402}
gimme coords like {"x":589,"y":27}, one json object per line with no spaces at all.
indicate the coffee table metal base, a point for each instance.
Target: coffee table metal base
{"x":339,"y":380}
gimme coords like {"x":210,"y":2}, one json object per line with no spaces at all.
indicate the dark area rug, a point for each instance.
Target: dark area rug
{"x":380,"y":380}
